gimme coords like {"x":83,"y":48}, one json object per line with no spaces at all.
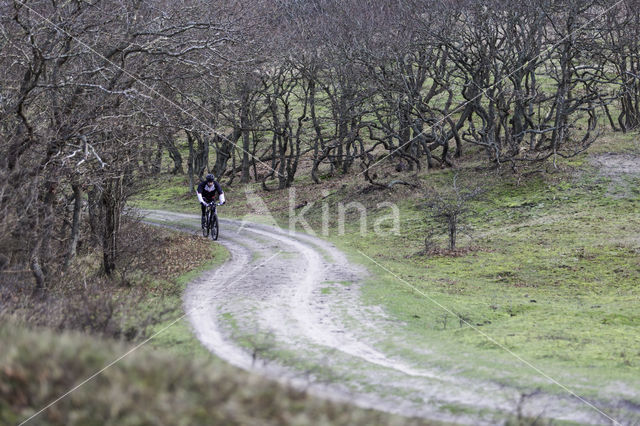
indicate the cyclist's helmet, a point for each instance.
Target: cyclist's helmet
{"x":210,"y":178}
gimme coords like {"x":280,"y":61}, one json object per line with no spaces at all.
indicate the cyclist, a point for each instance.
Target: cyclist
{"x":207,"y":192}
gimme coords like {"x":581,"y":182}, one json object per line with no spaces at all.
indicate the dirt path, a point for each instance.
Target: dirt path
{"x":287,"y":305}
{"x":620,"y":169}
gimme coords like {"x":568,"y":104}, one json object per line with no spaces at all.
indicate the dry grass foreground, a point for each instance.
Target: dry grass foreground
{"x":147,"y":387}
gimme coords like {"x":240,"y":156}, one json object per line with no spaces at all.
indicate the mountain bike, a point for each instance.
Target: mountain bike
{"x":211,"y":226}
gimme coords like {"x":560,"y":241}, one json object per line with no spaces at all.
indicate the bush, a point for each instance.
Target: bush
{"x":84,"y":299}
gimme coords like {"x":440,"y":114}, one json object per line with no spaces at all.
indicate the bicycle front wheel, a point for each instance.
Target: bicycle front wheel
{"x":214,"y":227}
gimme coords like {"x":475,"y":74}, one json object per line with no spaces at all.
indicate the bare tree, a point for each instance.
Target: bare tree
{"x":451,"y":207}
{"x":81,"y":90}
{"x":620,"y":49}
{"x":92,"y":94}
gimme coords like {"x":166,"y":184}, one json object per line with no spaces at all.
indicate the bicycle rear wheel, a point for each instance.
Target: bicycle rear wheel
{"x":206,"y":224}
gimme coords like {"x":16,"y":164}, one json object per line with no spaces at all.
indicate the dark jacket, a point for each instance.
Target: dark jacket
{"x":209,"y":193}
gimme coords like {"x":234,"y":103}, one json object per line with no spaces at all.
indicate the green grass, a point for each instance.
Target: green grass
{"x":167,"y":192}
{"x":555,"y":279}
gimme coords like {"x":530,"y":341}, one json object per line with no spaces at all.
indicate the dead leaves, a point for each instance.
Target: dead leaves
{"x":175,"y":254}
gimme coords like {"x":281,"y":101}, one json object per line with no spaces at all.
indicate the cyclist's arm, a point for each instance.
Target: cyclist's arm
{"x":220,"y":191}
{"x":199,"y":192}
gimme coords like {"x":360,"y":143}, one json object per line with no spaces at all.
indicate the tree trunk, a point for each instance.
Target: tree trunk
{"x":157,"y":161}
{"x":190,"y":161}
{"x":198,"y":158}
{"x":202,"y":163}
{"x":246,"y":140}
{"x":224,"y":149}
{"x":111,"y":202}
{"x":94,"y":207}
{"x":453,"y":231}
{"x":75,"y":224}
{"x":34,"y":263}
{"x":145,"y":155}
{"x":175,"y":155}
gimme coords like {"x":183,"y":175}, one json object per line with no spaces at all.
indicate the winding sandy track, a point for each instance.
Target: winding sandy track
{"x":287,"y":305}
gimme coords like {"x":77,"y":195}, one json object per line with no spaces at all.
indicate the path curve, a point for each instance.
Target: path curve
{"x":287,"y":305}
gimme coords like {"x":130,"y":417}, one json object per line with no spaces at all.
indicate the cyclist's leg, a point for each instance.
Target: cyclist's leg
{"x":204,"y":210}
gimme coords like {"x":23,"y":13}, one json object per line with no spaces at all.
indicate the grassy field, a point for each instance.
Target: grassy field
{"x":551,"y":276}
{"x":553,"y":279}
{"x":554,"y":273}
{"x":548,"y":269}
